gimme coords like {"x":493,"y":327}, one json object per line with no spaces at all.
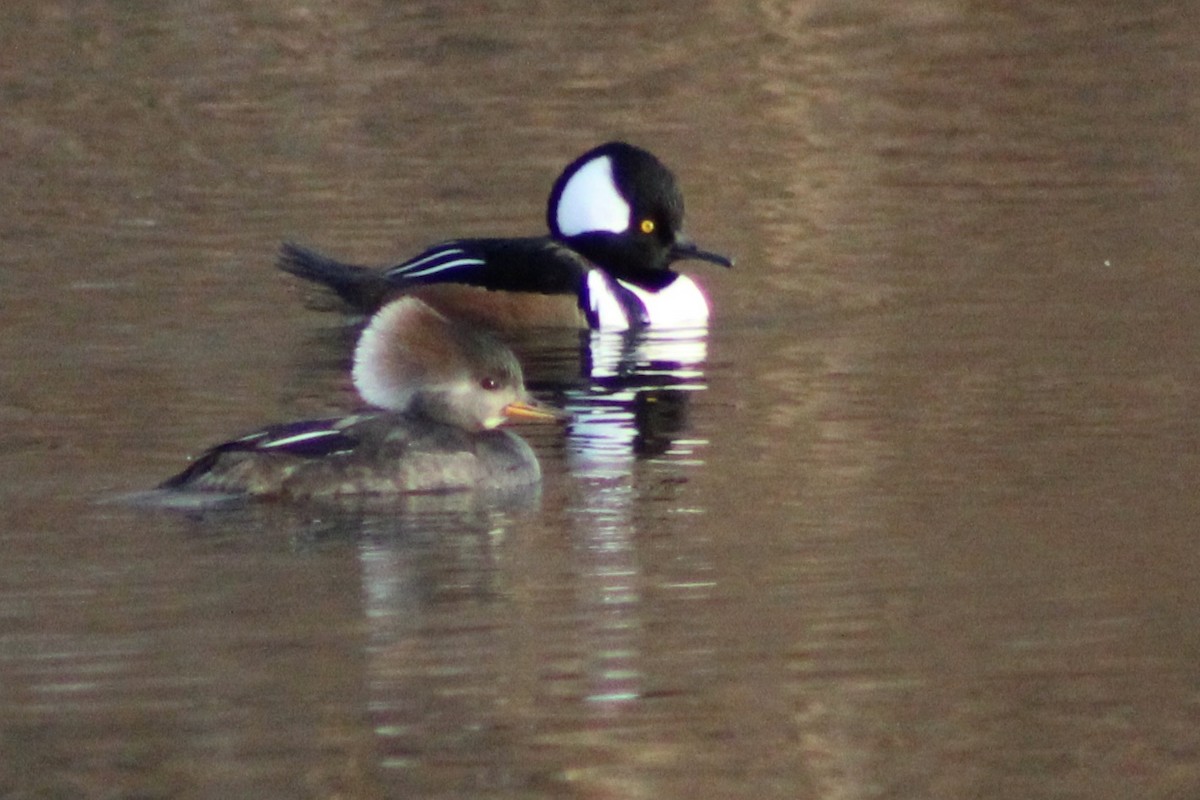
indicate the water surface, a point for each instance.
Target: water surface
{"x":915,"y":518}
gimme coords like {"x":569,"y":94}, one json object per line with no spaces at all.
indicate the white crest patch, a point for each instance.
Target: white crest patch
{"x":591,"y":201}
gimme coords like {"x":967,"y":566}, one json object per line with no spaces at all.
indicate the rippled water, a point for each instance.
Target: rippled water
{"x":916,"y":517}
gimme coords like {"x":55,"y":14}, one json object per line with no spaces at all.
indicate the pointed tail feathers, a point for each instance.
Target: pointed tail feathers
{"x":362,"y":288}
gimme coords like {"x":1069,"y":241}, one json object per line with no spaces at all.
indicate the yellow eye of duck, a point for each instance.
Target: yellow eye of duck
{"x":647,"y":226}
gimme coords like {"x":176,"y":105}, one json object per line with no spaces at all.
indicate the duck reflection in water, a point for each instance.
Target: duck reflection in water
{"x":630,"y":452}
{"x":627,"y":392}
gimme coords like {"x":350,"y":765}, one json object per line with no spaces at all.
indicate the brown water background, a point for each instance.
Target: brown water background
{"x":928,"y":528}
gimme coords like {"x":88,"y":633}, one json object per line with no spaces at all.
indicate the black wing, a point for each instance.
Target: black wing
{"x":538,"y":265}
{"x":308,"y":439}
{"x":534,"y":264}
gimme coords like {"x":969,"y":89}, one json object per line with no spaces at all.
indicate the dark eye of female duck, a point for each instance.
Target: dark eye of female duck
{"x":489,"y":384}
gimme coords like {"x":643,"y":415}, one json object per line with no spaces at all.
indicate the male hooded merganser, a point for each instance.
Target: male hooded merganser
{"x":615,"y":217}
{"x":443,"y":388}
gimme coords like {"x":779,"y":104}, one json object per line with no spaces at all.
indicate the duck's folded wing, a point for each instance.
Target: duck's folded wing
{"x":532,"y":264}
{"x":306,"y":439}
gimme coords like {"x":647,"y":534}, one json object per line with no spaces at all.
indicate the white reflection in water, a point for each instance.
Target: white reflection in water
{"x":634,"y":406}
{"x":636,"y":398}
{"x":672,"y":356}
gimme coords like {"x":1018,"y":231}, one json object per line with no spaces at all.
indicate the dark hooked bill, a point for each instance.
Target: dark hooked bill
{"x":686,"y":249}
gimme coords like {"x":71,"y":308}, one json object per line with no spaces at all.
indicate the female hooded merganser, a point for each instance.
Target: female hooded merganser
{"x":443,"y":387}
{"x":615,"y":217}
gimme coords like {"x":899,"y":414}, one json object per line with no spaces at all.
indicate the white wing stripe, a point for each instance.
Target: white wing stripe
{"x":420,"y":262}
{"x":299,"y":437}
{"x":436,"y":268}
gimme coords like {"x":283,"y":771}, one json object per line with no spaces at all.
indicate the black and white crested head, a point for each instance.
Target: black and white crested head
{"x":604,"y":189}
{"x":411,"y":358}
{"x":621,"y":208}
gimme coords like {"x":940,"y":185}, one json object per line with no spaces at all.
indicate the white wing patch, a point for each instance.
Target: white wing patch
{"x":590,"y":201}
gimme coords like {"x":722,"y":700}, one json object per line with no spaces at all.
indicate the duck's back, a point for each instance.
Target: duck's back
{"x":370,"y":454}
